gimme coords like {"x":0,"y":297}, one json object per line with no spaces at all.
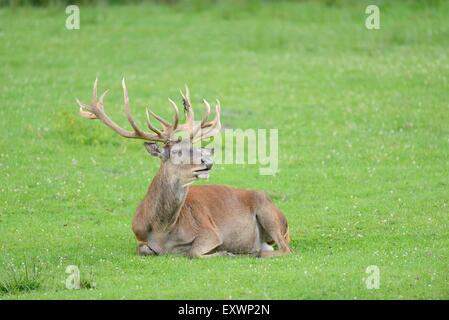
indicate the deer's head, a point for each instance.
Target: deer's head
{"x":180,"y":158}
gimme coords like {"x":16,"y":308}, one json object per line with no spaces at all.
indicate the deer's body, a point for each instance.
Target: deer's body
{"x":209,"y":220}
{"x":200,"y":221}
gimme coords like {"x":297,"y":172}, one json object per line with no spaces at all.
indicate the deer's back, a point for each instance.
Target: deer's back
{"x":216,"y":199}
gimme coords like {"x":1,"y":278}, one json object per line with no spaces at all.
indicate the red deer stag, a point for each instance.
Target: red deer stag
{"x":196,"y":221}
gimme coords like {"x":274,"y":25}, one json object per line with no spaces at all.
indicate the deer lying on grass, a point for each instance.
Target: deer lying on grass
{"x":197,"y":221}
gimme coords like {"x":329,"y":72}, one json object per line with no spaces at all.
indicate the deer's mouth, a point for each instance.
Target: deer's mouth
{"x":202,"y":174}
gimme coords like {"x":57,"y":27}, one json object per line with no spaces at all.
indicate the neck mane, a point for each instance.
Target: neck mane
{"x":164,"y":199}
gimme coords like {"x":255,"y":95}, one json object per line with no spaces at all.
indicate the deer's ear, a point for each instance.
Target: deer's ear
{"x":155,"y":150}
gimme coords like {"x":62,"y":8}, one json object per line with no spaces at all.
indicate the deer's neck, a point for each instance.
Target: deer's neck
{"x":164,"y":199}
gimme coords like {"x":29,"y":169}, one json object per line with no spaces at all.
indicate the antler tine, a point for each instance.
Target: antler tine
{"x":186,"y":96}
{"x":206,"y":112}
{"x":160,"y":135}
{"x":162,"y":121}
{"x":100,"y":103}
{"x":94,"y":91}
{"x":150,"y":126}
{"x":128,"y":111}
{"x":202,"y":125}
{"x":83,"y":113}
{"x":215,"y":126}
{"x":187,"y":91}
{"x":176,"y":117}
{"x":190,"y":117}
{"x":188,"y":106}
{"x":90,"y":113}
{"x":96,"y":111}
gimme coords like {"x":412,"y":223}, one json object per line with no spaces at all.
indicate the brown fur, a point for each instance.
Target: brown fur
{"x":207,"y":220}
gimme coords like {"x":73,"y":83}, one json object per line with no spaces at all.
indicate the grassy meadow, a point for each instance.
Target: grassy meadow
{"x":363,"y":119}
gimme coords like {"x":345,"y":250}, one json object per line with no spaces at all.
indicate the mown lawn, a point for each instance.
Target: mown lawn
{"x":363,"y":120}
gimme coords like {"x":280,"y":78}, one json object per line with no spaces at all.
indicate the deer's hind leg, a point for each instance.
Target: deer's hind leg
{"x":274,"y":228}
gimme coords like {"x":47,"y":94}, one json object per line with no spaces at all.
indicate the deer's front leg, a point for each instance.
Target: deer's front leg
{"x":204,"y":243}
{"x":218,"y":254}
{"x":141,"y":230}
{"x":144,"y":249}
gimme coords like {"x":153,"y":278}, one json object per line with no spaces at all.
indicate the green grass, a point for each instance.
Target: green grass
{"x":19,"y":278}
{"x":363,"y":156}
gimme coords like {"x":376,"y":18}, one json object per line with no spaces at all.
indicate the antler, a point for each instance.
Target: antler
{"x":167,"y":135}
{"x":204,"y":129}
{"x":213,"y":127}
